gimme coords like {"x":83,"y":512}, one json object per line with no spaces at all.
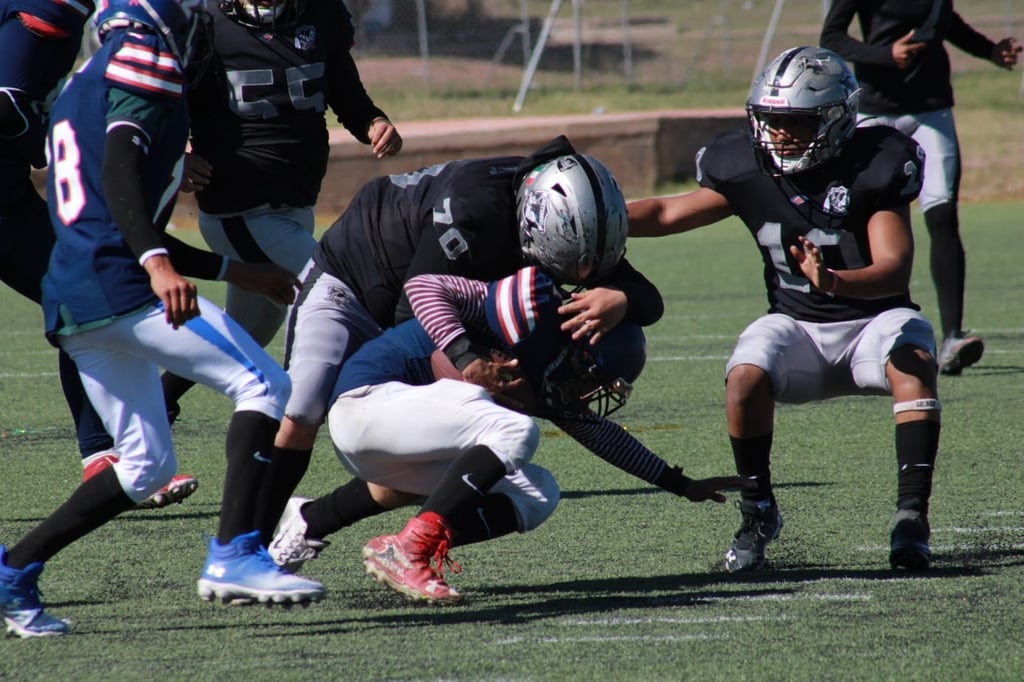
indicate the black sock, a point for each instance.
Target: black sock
{"x":917,"y":444}
{"x":287,"y":467}
{"x":94,"y":503}
{"x":753,"y":460}
{"x":174,"y":388}
{"x":250,"y":445}
{"x":340,"y":509}
{"x":467,"y":481}
{"x":948,"y":265}
{"x":494,"y":515}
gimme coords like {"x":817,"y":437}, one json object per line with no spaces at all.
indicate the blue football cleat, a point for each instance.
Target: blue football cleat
{"x":242,"y":572}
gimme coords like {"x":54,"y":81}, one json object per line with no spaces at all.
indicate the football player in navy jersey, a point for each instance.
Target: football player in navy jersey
{"x":458,"y":444}
{"x":828,"y":206}
{"x":478,"y":218}
{"x":904,"y":71}
{"x":259,"y":139}
{"x":115,"y":299}
{"x":39,"y":40}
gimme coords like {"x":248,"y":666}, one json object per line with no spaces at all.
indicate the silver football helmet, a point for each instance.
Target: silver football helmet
{"x":808,"y":82}
{"x":572,"y":219}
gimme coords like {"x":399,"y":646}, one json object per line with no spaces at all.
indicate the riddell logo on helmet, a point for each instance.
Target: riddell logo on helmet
{"x":774,"y":101}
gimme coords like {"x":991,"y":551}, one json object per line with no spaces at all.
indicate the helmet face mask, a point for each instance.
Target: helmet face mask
{"x":802,"y":110}
{"x":572,"y":219}
{"x":599,"y":376}
{"x":266,"y":14}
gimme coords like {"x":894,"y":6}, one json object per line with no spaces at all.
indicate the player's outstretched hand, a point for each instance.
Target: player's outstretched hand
{"x":268,"y":279}
{"x":594,"y":312}
{"x":704,"y":489}
{"x":498,"y":375}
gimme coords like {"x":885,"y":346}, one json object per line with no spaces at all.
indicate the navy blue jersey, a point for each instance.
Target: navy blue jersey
{"x":30,"y":68}
{"x":520,"y":318}
{"x":879,"y":169}
{"x":258,"y":111}
{"x":456,"y":218}
{"x":401,"y":353}
{"x":131,"y":80}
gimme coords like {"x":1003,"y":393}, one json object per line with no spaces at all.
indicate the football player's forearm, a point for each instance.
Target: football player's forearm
{"x":122,"y":189}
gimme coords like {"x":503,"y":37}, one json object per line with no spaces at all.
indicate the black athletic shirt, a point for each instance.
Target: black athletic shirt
{"x":830,"y":204}
{"x":258,"y":112}
{"x":925,"y":84}
{"x":456,"y":218}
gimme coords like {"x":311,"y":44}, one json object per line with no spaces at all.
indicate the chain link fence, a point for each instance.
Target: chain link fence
{"x":514,"y":46}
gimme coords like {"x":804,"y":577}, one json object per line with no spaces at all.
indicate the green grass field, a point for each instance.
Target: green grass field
{"x":623,"y":582}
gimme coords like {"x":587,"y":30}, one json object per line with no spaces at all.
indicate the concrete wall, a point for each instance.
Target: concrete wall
{"x":642,"y":149}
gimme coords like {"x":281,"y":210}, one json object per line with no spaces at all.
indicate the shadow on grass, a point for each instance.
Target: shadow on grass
{"x":602,"y":597}
{"x":653,"y":490}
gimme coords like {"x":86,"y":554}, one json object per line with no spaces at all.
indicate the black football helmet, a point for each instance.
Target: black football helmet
{"x":600,"y":376}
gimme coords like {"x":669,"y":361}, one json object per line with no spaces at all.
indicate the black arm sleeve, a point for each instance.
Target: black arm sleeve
{"x":122,"y":189}
{"x":192,"y":262}
{"x":645,"y":303}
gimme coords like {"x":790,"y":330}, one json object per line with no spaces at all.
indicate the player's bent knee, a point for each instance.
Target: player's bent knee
{"x":141,"y":477}
{"x":537,"y":505}
{"x":515,"y":440}
{"x":267,"y":392}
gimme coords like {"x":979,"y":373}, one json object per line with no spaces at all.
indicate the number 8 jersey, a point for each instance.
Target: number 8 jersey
{"x":830,"y":204}
{"x":132,"y":80}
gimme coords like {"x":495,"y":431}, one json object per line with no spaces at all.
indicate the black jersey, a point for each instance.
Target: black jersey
{"x":925,"y":84}
{"x":879,"y":169}
{"x":258,"y":111}
{"x":456,"y":218}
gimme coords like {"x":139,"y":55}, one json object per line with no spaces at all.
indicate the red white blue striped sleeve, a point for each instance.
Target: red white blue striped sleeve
{"x":447,"y":306}
{"x":140,"y":66}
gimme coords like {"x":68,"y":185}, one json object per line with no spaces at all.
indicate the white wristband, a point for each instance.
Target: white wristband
{"x":159,"y":251}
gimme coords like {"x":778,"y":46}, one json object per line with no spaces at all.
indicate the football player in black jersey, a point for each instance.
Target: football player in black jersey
{"x":260,"y":140}
{"x":904,"y":70}
{"x":828,"y":206}
{"x":479,"y":218}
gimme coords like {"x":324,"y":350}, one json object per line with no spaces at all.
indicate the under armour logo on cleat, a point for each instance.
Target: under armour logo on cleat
{"x":216,"y":570}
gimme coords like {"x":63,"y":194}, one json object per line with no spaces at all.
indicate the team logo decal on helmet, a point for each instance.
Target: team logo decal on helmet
{"x":807,"y":88}
{"x":572,"y":219}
